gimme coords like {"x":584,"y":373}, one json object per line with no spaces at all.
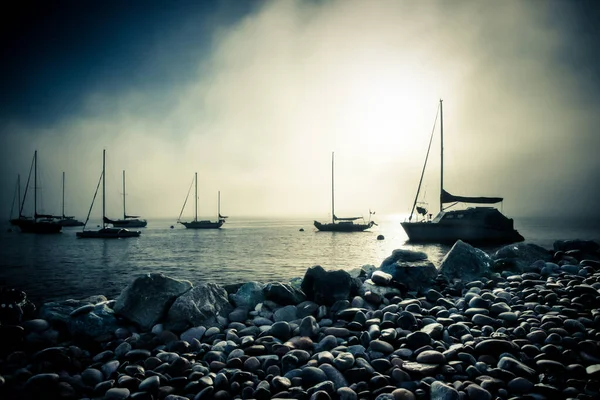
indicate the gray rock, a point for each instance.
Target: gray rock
{"x":287,"y":313}
{"x":193,"y":333}
{"x":520,"y":257}
{"x":284,"y":294}
{"x":308,"y":326}
{"x":476,"y":392}
{"x":431,"y":357}
{"x":442,"y":391}
{"x":345,"y":393}
{"x":116,"y":394}
{"x":334,"y":376}
{"x":148,"y":298}
{"x":199,"y":306}
{"x":381,"y":278}
{"x":465,"y":262}
{"x":60,"y":311}
{"x":327,"y":287}
{"x":411,"y":268}
{"x":249,"y":295}
{"x":382,"y":291}
{"x":98,"y":324}
{"x":516,"y":367}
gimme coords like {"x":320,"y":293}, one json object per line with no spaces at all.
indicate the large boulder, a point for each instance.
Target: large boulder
{"x":249,"y":295}
{"x":99,"y":324}
{"x":519,"y":257}
{"x":410,"y":268}
{"x":58,"y":313}
{"x":466,"y":263}
{"x":199,"y":306}
{"x":284,"y":293}
{"x":327,"y":287}
{"x":148,"y":298}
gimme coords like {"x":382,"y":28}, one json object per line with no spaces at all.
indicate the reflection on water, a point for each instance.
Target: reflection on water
{"x":62,"y":266}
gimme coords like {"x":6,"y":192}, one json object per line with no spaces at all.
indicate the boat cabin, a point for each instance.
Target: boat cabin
{"x":489,"y":216}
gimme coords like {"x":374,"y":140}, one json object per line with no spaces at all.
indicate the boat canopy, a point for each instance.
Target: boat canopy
{"x":450,"y":198}
{"x":345,"y":219}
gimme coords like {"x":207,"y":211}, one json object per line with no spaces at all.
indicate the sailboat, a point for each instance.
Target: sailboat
{"x":203,"y":224}
{"x":342,"y":224}
{"x":67,"y":220}
{"x":104,"y":232}
{"x":128,"y":221}
{"x":39,"y":223}
{"x":17,"y":200}
{"x":479,"y":225}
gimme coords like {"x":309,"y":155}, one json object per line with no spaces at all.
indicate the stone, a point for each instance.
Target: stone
{"x":442,"y":391}
{"x":287,"y":313}
{"x":312,"y":376}
{"x":59,"y":312}
{"x":476,"y":392}
{"x":284,"y":294}
{"x":195,"y":332}
{"x":327,"y":287}
{"x":431,"y":357}
{"x":519,"y":257}
{"x":465,"y":262}
{"x":380,"y":291}
{"x":249,"y":295}
{"x":200,"y":306}
{"x":334,"y":375}
{"x":381,"y":278}
{"x":411,"y":268}
{"x":516,"y":367}
{"x":148,"y":298}
{"x":100,"y":323}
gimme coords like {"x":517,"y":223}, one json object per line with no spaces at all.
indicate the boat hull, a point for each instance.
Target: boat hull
{"x":431,"y":232}
{"x":108,"y":233}
{"x":203,"y":224}
{"x":129,"y":223}
{"x":343,"y":227}
{"x":33,"y":226}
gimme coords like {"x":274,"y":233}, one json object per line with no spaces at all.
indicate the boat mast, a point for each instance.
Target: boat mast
{"x":332,"y":193}
{"x":441,"y":156}
{"x":124,"y":213}
{"x":219,"y":205}
{"x":35,"y":185}
{"x":103,"y":187}
{"x":63,"y":195}
{"x":19,"y":194}
{"x":196,"y":198}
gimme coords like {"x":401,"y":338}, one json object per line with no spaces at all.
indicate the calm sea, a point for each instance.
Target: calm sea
{"x":52,"y":267}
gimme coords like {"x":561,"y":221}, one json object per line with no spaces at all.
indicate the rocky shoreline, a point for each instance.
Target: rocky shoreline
{"x":523,"y":322}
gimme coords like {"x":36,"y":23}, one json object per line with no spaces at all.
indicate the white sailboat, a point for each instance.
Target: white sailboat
{"x":105,"y":232}
{"x":38,"y":223}
{"x":202,"y":224}
{"x":128,"y":221}
{"x":342,"y":224}
{"x":473,"y":224}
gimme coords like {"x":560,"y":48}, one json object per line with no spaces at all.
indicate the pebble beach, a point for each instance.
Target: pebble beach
{"x":521,"y":323}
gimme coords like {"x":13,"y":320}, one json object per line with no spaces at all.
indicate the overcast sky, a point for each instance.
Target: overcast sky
{"x":254,"y":96}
